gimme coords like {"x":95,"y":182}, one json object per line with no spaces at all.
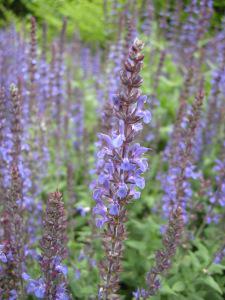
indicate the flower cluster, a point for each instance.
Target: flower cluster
{"x":53,"y":245}
{"x":122,"y":164}
{"x":3,"y":152}
{"x":119,"y":158}
{"x":217,"y":198}
{"x":12,"y":220}
{"x":171,"y":240}
{"x":192,"y":29}
{"x":148,"y":13}
{"x":176,"y":183}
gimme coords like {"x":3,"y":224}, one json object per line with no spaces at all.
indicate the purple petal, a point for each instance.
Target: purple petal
{"x":140,"y":182}
{"x":26,"y":276}
{"x":97,"y":194}
{"x":100,"y":209}
{"x":101,"y":222}
{"x":126,"y":165}
{"x":114,"y":209}
{"x":122,"y":191}
{"x":118,"y":141}
{"x":62,"y":269}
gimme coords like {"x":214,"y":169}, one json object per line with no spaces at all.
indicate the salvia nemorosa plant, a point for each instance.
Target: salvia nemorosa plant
{"x":181,"y":165}
{"x":147,"y":15}
{"x":54,"y":251}
{"x":216,"y":198}
{"x":116,"y":54}
{"x":3,"y":161}
{"x":215,"y":104}
{"x":121,"y":165}
{"x":13,"y":209}
{"x":192,"y":29}
{"x":35,"y":148}
{"x":60,"y":80}
{"x":52,"y":284}
{"x":177,"y":191}
{"x":52,"y":99}
{"x":171,"y":240}
{"x":33,"y":70}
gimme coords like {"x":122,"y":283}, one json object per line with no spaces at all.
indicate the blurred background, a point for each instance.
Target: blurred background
{"x":90,"y":18}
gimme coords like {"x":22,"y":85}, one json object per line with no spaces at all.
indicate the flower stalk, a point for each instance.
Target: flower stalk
{"x":120,"y":168}
{"x":54,"y":251}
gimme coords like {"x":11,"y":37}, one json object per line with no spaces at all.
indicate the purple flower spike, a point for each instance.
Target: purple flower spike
{"x":53,"y":245}
{"x":120,"y":166}
{"x":171,"y":240}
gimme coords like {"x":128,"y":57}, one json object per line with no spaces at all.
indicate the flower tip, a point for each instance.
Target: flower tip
{"x":138,"y":43}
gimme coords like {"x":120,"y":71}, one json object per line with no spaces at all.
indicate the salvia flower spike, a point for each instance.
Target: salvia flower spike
{"x":163,"y":257}
{"x":121,"y":163}
{"x":54,"y":251}
{"x":12,"y":220}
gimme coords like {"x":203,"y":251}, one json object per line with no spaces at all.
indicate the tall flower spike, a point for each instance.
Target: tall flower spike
{"x":59,"y":77}
{"x":120,"y":166}
{"x":5,"y":144}
{"x":181,"y":165}
{"x":33,"y":68}
{"x":148,"y":16}
{"x":163,"y":257}
{"x":115,"y":58}
{"x":2,"y":141}
{"x":13,"y":208}
{"x":60,"y":94}
{"x":51,"y":100}
{"x":217,"y":198}
{"x":53,"y":245}
{"x":43,"y":69}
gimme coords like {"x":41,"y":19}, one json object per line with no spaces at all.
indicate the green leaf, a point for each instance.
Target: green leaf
{"x":179,"y":286}
{"x":195,"y":297}
{"x":204,"y":253}
{"x":194,"y":260}
{"x":135,"y":245}
{"x":168,"y":82}
{"x":210,"y":281}
{"x":216,"y":269}
{"x":166,"y":290}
